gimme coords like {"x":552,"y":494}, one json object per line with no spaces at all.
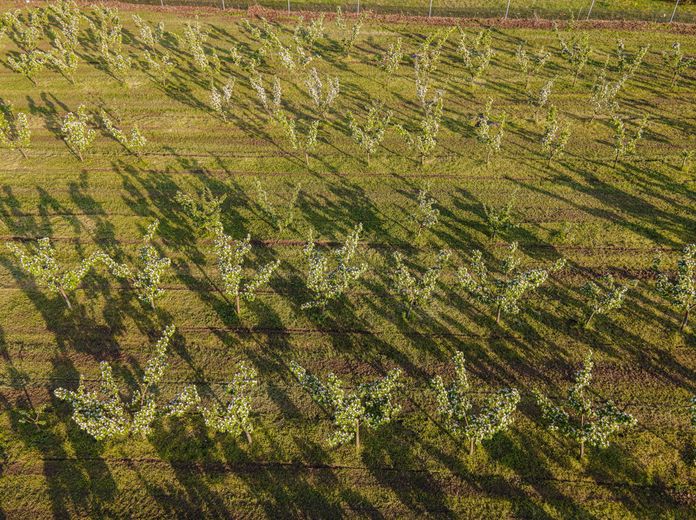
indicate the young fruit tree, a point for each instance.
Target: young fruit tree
{"x":416,"y":292}
{"x":604,"y":93}
{"x":270,"y":100}
{"x":604,"y":296}
{"x":371,"y":405}
{"x":14,"y":130}
{"x":677,"y":63}
{"x":370,"y":133}
{"x":232,"y":417}
{"x":146,"y":276}
{"x":679,"y":290}
{"x":204,"y":209}
{"x":76,"y":132}
{"x":531,"y":64}
{"x":476,"y":53}
{"x":424,"y":141}
{"x":303,"y":137}
{"x":585,"y":421}
{"x":230,"y":255}
{"x":627,"y":64}
{"x":221,"y":100}
{"x":280,"y":217}
{"x":687,"y":159}
{"x":63,"y":59}
{"x":505,"y":292}
{"x":40,"y":262}
{"x":499,"y":218}
{"x":159,"y":66}
{"x":456,"y":407}
{"x":425,"y":214}
{"x":133,"y":143}
{"x":392,"y":57}
{"x":349,"y":33}
{"x":555,"y":136}
{"x":330,"y":274}
{"x":576,"y":51}
{"x":323,"y":95}
{"x":624,"y":143}
{"x":104,"y":414}
{"x":541,"y":99}
{"x":28,"y":64}
{"x":483,"y":129}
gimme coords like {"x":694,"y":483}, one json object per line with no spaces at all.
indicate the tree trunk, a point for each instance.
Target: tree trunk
{"x":497,"y":317}
{"x":306,"y":158}
{"x":587,"y":323}
{"x":357,"y":436}
{"x":237,"y":305}
{"x":471,"y":447}
{"x":65,"y":297}
{"x":248,"y":436}
{"x":684,"y":321}
{"x":24,"y":154}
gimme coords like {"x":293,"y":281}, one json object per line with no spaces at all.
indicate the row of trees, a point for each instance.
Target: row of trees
{"x":105,"y":415}
{"x":368,"y":129}
{"x":330,"y":273}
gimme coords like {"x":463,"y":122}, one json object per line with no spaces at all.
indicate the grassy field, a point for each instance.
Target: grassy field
{"x":650,"y":10}
{"x":602,"y":219}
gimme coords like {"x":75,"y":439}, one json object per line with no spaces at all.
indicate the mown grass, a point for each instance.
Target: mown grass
{"x":601,"y":218}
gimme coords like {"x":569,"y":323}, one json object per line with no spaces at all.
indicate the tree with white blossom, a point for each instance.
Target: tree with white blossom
{"x":230,"y":255}
{"x":416,"y":291}
{"x":370,"y":405}
{"x":679,"y":289}
{"x":370,"y":133}
{"x":604,"y":296}
{"x":41,"y":263}
{"x":76,"y":131}
{"x":583,"y":420}
{"x":104,"y":414}
{"x":456,"y":407}
{"x":503,"y":293}
{"x":146,"y":275}
{"x":330,"y":274}
{"x":14,"y":129}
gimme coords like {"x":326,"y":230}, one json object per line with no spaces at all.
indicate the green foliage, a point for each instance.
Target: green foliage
{"x":14,"y":129}
{"x":625,"y":143}
{"x":28,"y":64}
{"x":392,"y":57}
{"x":499,"y":218}
{"x":303,"y":137}
{"x":506,"y":291}
{"x":133,"y":143}
{"x":40,"y":262}
{"x":370,"y":134}
{"x":586,"y":422}
{"x":677,"y":63}
{"x":103,"y":414}
{"x":605,"y":296}
{"x":576,"y":50}
{"x":425,"y":214}
{"x":146,"y":276}
{"x":627,"y":64}
{"x":204,"y":209}
{"x":230,"y":255}
{"x":679,"y":290}
{"x":531,"y":64}
{"x":423,"y":142}
{"x":456,"y":407}
{"x":76,"y":132}
{"x":232,"y":417}
{"x":555,"y":136}
{"x":280,"y":217}
{"x":330,"y":274}
{"x":349,"y":32}
{"x":476,"y":53}
{"x":371,"y":404}
{"x":417,"y":291}
{"x":483,"y":129}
